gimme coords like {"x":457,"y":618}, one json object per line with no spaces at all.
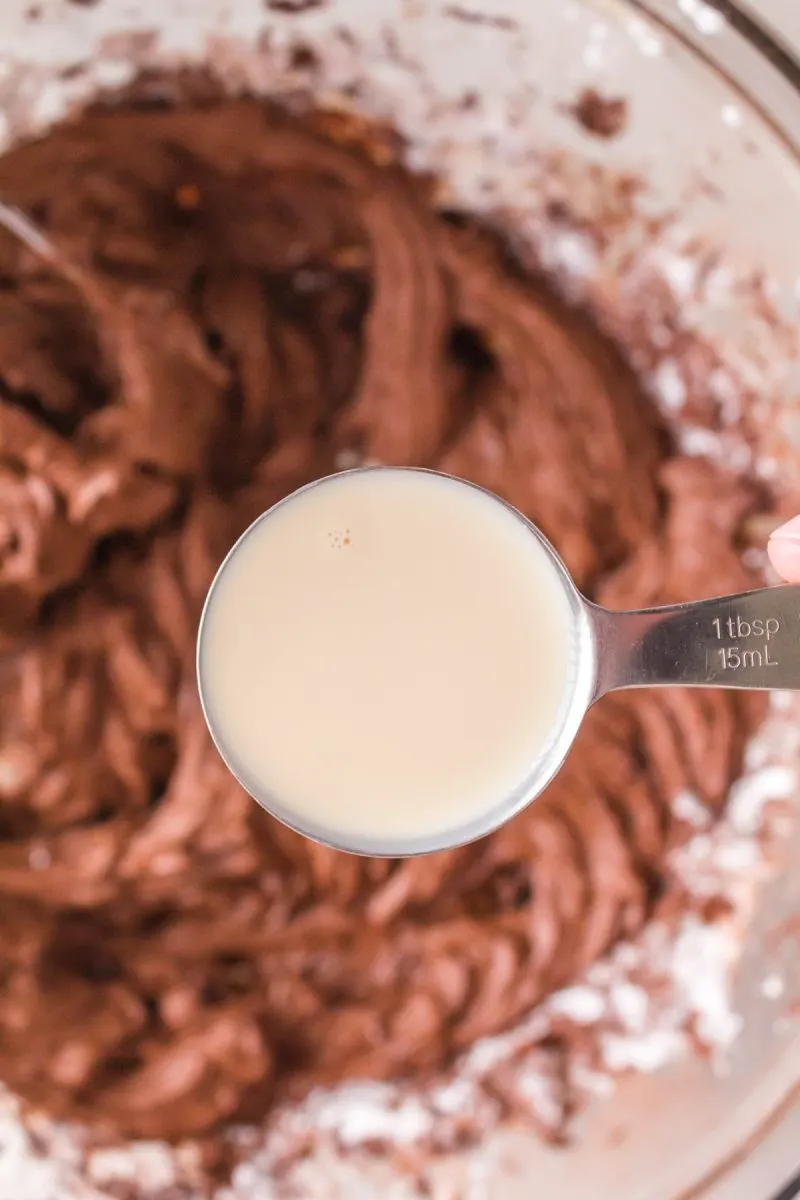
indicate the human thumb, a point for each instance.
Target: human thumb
{"x":784,"y":550}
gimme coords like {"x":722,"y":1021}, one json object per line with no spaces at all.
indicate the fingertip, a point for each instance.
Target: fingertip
{"x":784,"y":550}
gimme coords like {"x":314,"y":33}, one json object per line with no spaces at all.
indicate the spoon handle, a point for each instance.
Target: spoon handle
{"x":751,"y":640}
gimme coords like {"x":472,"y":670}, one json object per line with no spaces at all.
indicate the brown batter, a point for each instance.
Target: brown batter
{"x":242,"y":303}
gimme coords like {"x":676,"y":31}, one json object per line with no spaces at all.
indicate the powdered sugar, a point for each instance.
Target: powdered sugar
{"x":752,"y":793}
{"x":687,"y":807}
{"x":680,"y":272}
{"x":669,"y":386}
{"x":702,"y":959}
{"x":28,"y":1173}
{"x":370,"y":1111}
{"x":631,"y":1003}
{"x":644,"y":1052}
{"x":583,"y":1005}
{"x":148,"y":1163}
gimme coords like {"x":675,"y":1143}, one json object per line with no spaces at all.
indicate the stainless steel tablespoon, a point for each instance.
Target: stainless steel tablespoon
{"x":749,"y":640}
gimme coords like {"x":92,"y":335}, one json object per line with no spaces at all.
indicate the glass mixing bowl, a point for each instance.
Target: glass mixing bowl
{"x":484,"y":94}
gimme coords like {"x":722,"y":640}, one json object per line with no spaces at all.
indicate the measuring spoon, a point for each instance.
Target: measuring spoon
{"x":749,"y":640}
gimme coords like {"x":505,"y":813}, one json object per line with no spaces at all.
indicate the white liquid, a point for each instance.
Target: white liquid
{"x":386,"y":655}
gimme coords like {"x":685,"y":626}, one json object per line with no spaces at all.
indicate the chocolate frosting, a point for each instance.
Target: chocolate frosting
{"x":239,"y":302}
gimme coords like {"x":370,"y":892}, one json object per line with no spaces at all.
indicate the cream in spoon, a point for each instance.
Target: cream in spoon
{"x":386,"y":658}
